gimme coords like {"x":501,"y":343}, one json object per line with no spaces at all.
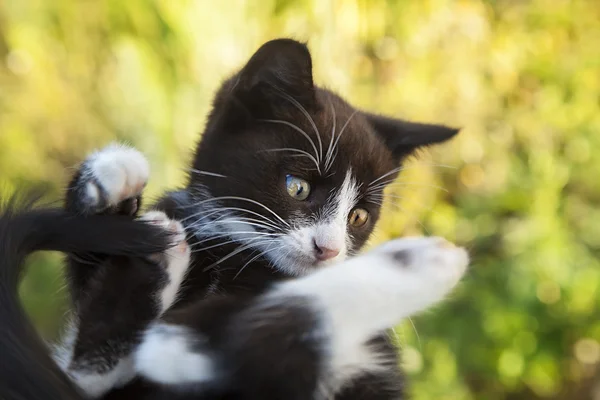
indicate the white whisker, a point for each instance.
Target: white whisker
{"x":258,"y":203}
{"x":330,"y":147}
{"x":338,"y":139}
{"x":260,"y":254}
{"x":416,"y":333}
{"x":194,"y":250}
{"x":302,"y":152}
{"x":393,"y":171}
{"x":265,"y":223}
{"x":297,"y":129}
{"x":310,"y":120}
{"x":231,"y":254}
{"x":400,"y":183}
{"x":244,"y":199}
{"x":403,"y":168}
{"x":197,"y":171}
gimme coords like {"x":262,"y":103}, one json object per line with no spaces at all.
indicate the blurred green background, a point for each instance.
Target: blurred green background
{"x":521,"y":77}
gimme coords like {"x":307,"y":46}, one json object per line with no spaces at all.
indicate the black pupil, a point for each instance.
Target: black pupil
{"x":300,"y":189}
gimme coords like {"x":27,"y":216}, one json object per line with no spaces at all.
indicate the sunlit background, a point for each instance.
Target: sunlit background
{"x":520,"y":186}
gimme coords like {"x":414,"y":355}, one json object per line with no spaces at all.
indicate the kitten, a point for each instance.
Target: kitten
{"x":286,"y":184}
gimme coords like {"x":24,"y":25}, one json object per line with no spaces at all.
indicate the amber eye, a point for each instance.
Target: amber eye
{"x":358,"y":217}
{"x":297,"y":188}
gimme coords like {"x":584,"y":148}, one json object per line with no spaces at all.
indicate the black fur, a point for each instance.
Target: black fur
{"x":26,"y":370}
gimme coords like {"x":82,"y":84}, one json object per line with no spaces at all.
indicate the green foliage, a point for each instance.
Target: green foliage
{"x":521,"y":77}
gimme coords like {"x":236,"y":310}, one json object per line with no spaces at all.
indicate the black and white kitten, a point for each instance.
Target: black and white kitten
{"x":286,"y":183}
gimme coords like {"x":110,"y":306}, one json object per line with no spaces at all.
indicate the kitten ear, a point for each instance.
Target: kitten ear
{"x":404,"y":137}
{"x":280,"y":68}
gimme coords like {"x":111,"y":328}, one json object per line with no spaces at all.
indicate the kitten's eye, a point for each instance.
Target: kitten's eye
{"x":297,"y":188}
{"x":358,"y":217}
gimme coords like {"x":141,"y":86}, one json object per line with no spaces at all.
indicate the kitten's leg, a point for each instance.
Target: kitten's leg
{"x":305,"y":338}
{"x":109,"y":181}
{"x":119,"y":304}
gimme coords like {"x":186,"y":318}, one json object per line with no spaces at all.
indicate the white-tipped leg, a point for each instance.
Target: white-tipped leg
{"x":337,"y":310}
{"x":175,"y":260}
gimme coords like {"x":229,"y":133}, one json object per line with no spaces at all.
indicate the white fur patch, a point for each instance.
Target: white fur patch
{"x":368,"y":294}
{"x":168,"y":355}
{"x":122,"y":172}
{"x":294,"y":252}
{"x":63,"y":352}
{"x":95,"y":384}
{"x":91,"y":383}
{"x":177,"y":257}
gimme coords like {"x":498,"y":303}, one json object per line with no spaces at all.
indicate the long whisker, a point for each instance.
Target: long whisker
{"x":199,"y":172}
{"x":416,"y":219}
{"x":232,"y":234}
{"x":307,"y":154}
{"x":393,"y":171}
{"x":258,"y":203}
{"x":416,"y":333}
{"x":400,"y":183}
{"x":330,"y":148}
{"x":231,"y":254}
{"x":213,"y":246}
{"x":297,"y":129}
{"x":412,"y":166}
{"x":195,"y":250}
{"x":260,"y":254}
{"x":248,"y":263}
{"x":244,"y":199}
{"x":266,"y":222}
{"x":309,"y":118}
{"x":338,"y":138}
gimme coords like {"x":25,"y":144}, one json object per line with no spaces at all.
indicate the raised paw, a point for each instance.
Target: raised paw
{"x":431,"y":258}
{"x":111,"y":179}
{"x":175,"y":260}
{"x":376,"y":290}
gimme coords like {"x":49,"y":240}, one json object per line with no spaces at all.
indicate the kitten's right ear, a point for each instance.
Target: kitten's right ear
{"x":279,"y":73}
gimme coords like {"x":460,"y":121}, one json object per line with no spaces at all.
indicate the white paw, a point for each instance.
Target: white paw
{"x":114,"y":174}
{"x":175,"y":259}
{"x":411,"y":274}
{"x":434,"y":261}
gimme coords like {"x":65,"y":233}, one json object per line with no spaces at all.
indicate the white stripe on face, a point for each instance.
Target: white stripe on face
{"x":328,"y":231}
{"x":295,"y":251}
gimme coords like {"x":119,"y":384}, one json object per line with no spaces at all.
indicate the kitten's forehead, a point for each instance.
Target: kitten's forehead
{"x":338,"y":138}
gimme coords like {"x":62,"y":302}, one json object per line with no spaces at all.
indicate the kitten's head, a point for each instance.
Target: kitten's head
{"x":295,"y":172}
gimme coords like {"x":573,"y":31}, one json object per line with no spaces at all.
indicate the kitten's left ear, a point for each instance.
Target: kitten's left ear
{"x":404,"y":137}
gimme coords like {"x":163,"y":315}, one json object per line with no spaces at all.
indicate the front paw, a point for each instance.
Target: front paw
{"x":110,"y":180}
{"x":433,"y":261}
{"x":175,"y":260}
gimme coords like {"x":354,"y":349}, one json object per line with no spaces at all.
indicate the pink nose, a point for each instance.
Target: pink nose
{"x":323,"y":253}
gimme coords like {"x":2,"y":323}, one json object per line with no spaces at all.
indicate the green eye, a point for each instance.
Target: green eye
{"x":358,"y":217}
{"x":297,"y":188}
